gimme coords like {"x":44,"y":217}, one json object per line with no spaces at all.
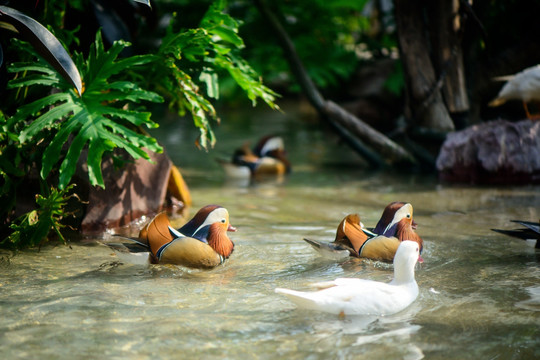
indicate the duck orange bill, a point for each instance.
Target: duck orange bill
{"x":231,"y":228}
{"x":420,"y":259}
{"x":414,"y":224}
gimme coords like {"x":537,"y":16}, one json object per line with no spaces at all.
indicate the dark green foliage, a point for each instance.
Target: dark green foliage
{"x":32,"y":228}
{"x":59,"y":119}
{"x":328,"y":36}
{"x":96,"y":119}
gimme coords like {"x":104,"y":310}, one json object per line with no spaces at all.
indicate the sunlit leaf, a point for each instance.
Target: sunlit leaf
{"x":145,"y":2}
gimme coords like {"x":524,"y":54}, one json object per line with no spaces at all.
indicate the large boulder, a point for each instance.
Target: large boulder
{"x":494,"y":152}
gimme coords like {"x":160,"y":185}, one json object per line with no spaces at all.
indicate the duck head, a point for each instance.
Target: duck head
{"x":210,"y":225}
{"x":407,"y":254}
{"x":392,"y":214}
{"x":206,"y":215}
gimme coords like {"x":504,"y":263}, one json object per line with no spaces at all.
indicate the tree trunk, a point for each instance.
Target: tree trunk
{"x":425,"y":102}
{"x":446,"y":28}
{"x":357,"y":133}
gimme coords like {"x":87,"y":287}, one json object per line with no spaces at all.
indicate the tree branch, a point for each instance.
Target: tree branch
{"x":359,"y":135}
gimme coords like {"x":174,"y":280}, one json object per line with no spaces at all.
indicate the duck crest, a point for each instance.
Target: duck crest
{"x":219,"y":241}
{"x":387,"y":216}
{"x":195,"y":223}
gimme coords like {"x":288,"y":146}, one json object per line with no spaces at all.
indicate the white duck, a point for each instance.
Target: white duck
{"x":351,"y":296}
{"x":524,"y":86}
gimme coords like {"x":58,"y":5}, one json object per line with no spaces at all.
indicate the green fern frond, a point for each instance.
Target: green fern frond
{"x":97,"y":120}
{"x":32,"y":228}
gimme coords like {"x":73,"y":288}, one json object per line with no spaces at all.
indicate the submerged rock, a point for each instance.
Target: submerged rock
{"x":495,"y":152}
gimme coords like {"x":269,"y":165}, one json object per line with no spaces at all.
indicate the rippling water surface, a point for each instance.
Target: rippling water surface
{"x":479,"y":290}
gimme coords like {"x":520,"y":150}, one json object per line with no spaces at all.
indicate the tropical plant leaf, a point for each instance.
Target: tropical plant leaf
{"x":32,"y":228}
{"x":99,"y":120}
{"x":190,"y":63}
{"x":44,"y":42}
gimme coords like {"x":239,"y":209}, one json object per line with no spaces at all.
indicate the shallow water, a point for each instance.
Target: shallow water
{"x":479,"y":290}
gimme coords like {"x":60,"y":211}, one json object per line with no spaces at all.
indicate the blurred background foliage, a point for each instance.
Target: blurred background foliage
{"x":203,"y":53}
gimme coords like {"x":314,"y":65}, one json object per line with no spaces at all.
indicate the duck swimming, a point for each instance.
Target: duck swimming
{"x":353,"y":239}
{"x":201,"y":243}
{"x":352,"y":296}
{"x":268,"y":157}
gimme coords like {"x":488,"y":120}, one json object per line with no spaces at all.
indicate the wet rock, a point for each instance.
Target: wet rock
{"x":495,"y":152}
{"x":136,"y":189}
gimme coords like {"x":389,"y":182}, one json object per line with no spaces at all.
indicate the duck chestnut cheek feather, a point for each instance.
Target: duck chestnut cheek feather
{"x":406,"y":232}
{"x":219,"y":241}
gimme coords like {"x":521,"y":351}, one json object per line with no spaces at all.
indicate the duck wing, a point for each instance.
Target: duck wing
{"x":380,"y":248}
{"x":350,"y":233}
{"x":534,"y":226}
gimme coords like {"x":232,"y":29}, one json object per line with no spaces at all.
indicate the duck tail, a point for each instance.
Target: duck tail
{"x":138,"y":244}
{"x":316,"y":244}
{"x":301,"y":299}
{"x":329,"y":250}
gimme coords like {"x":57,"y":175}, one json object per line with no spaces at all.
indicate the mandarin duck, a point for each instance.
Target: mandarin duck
{"x":268,"y":157}
{"x":352,"y":239}
{"x":201,"y":243}
{"x":530,"y":233}
{"x":524,"y":86}
{"x":352,"y":296}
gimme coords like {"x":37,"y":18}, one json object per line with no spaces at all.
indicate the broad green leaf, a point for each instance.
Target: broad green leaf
{"x":46,"y":120}
{"x":96,"y":120}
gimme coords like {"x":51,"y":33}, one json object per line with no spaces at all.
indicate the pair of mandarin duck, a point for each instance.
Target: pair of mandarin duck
{"x":267,"y":158}
{"x":203,"y":241}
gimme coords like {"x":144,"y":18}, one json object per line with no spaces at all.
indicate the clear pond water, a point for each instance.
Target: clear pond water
{"x":479,"y":290}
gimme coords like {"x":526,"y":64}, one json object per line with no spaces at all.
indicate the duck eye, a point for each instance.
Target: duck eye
{"x":223,"y":221}
{"x":408,"y":216}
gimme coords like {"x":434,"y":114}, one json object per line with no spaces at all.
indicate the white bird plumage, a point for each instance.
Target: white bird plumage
{"x":351,"y":296}
{"x":524,"y":86}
